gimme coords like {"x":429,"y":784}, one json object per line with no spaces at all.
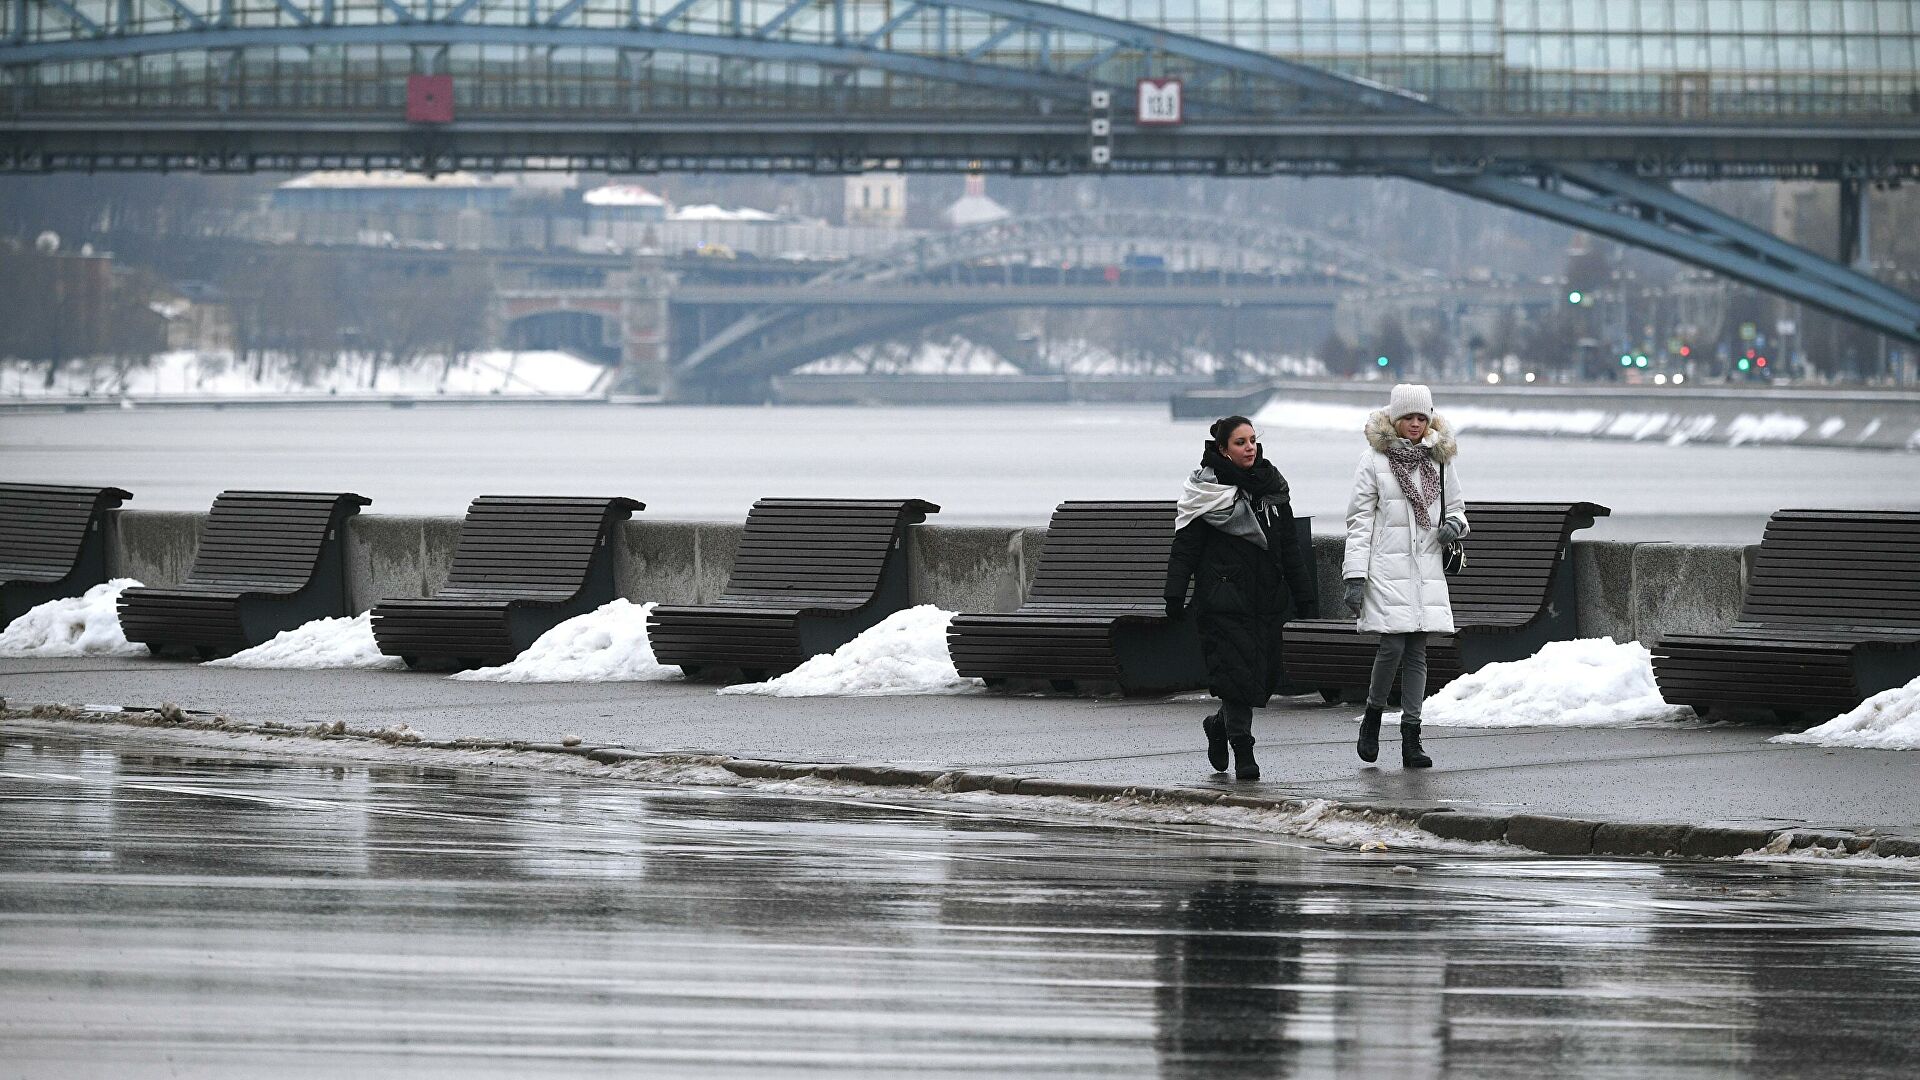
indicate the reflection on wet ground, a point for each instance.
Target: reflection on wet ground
{"x":184,"y":912}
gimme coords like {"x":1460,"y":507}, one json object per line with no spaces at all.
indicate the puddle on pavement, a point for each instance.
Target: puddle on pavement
{"x":194,"y":912}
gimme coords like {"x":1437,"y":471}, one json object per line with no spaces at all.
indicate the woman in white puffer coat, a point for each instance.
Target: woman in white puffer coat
{"x":1396,"y":583}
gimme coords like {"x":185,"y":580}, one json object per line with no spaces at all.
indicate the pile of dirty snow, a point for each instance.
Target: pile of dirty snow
{"x":322,"y":643}
{"x":1590,"y":682}
{"x":86,"y":625}
{"x":905,"y":654}
{"x":608,"y":644}
{"x":1889,"y":720}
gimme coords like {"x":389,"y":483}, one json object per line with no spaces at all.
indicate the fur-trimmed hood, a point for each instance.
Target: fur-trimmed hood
{"x":1439,"y":436}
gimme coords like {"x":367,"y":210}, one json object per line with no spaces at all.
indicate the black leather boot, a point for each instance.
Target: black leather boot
{"x":1411,"y":755}
{"x":1244,"y":767}
{"x":1369,"y":745}
{"x":1216,"y":730}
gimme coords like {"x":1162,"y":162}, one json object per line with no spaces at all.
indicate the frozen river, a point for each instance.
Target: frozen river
{"x":998,"y":465}
{"x":170,"y":911}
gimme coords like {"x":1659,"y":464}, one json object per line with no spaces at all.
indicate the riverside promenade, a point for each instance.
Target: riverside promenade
{"x":1703,"y":790}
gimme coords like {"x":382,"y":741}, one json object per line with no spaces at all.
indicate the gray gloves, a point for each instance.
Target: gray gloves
{"x":1356,"y":595}
{"x":1449,"y":532}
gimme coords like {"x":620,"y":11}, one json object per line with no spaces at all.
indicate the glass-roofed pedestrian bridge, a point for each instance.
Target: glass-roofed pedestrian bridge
{"x":1577,"y":110}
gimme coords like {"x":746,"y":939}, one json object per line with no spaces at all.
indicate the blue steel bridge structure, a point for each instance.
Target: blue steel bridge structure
{"x":1580,"y":111}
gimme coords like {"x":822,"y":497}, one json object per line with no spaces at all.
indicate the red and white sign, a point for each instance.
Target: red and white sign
{"x":1159,"y":102}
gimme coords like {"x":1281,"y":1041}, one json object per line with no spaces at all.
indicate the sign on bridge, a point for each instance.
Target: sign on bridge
{"x":1159,"y":102}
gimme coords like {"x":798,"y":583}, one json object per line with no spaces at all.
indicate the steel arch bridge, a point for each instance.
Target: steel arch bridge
{"x":852,"y":85}
{"x":1294,"y":267}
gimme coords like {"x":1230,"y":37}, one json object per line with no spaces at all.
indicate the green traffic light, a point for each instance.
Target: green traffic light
{"x":1382,"y":361}
{"x":1575,"y":297}
{"x":1626,"y":361}
{"x":1745,"y":363}
{"x":1640,"y":361}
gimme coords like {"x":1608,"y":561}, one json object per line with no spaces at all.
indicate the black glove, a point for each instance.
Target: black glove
{"x":1176,"y":606}
{"x":1356,"y":596}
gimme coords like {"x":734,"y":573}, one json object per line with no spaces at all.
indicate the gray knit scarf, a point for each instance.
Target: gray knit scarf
{"x":1405,"y":457}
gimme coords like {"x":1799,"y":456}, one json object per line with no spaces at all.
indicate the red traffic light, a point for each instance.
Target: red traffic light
{"x":1686,"y":350}
{"x":1761,"y":361}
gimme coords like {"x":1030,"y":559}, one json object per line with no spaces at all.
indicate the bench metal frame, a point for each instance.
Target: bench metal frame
{"x":1330,"y":656}
{"x":493,"y":607}
{"x":53,"y":543}
{"x":234,"y":597}
{"x":1828,"y":619}
{"x":765,"y":624}
{"x":1094,"y":621}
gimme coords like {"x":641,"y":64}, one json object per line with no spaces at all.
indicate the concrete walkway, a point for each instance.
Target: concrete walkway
{"x":1700,"y":776}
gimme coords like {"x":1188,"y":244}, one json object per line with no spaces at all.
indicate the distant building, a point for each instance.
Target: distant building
{"x":391,"y":192}
{"x":975,"y":208}
{"x":878,"y":199}
{"x":389,"y":208}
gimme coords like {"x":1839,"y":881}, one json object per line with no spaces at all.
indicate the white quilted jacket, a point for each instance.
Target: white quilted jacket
{"x":1406,"y":586}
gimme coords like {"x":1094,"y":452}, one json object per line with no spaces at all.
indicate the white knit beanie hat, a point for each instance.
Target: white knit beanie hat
{"x":1410,"y":398}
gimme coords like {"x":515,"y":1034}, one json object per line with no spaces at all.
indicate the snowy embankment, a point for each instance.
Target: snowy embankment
{"x":1889,"y":720}
{"x":906,"y":653}
{"x":322,"y":643}
{"x":608,"y":644}
{"x":1591,"y":682}
{"x":217,"y":374}
{"x":1674,"y":426}
{"x":87,"y":625}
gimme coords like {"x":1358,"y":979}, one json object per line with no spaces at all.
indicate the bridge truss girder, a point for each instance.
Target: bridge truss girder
{"x":1650,"y":215}
{"x":1027,"y":66}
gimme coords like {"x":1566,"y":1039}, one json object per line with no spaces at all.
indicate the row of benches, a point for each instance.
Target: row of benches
{"x":1829,"y":616}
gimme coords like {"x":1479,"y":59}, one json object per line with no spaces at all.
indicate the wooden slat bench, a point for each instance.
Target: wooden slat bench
{"x":52,"y":543}
{"x":809,"y":576}
{"x":1831,"y":617}
{"x":268,"y":561}
{"x":1515,"y":594}
{"x":523,"y":566}
{"x":1095,"y":617}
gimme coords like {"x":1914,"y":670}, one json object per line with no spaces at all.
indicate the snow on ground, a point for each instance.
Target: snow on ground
{"x":905,"y":654}
{"x":1889,"y":720}
{"x":86,"y":625}
{"x":216,"y":374}
{"x":1591,"y":682}
{"x":608,"y":644}
{"x":322,"y":643}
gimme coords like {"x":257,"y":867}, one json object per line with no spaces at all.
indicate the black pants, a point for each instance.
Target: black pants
{"x":1238,"y":716}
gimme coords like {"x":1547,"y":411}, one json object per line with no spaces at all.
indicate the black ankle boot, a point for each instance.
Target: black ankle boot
{"x":1369,"y":745}
{"x":1216,"y":730}
{"x":1411,"y":755}
{"x":1244,"y":767}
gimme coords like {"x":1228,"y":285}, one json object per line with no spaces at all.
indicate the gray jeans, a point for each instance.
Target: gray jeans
{"x":1404,"y":655}
{"x":1238,"y":716}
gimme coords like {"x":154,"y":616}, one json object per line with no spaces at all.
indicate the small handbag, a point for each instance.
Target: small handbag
{"x":1453,"y":556}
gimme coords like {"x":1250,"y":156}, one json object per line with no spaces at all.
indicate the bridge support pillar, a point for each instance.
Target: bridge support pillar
{"x":643,"y":342}
{"x":1855,"y":227}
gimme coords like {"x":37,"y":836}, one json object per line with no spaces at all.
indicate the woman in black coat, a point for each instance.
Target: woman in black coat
{"x":1234,"y":540}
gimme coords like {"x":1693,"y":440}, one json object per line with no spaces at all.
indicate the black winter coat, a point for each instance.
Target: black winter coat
{"x":1243,"y":596}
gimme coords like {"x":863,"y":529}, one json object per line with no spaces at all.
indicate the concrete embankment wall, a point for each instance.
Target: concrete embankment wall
{"x":1627,"y":591}
{"x":1877,"y":419}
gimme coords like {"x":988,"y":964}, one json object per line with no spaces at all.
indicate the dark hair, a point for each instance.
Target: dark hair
{"x":1223,"y":429}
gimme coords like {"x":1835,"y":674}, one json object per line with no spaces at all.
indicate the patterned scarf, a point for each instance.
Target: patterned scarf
{"x":1405,"y":457}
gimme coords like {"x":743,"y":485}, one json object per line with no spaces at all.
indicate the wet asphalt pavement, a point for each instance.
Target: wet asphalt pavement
{"x":169,"y":911}
{"x":1727,"y":774}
